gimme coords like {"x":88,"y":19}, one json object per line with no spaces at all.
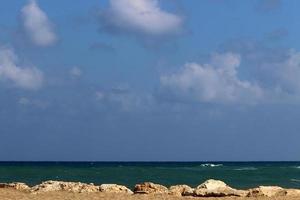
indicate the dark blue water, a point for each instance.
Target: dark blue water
{"x":236,"y":174}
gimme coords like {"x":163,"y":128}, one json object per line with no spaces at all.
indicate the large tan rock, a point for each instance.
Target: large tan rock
{"x":87,"y":188}
{"x":51,"y":186}
{"x":216,"y":188}
{"x":114,"y":188}
{"x":181,"y":190}
{"x":293,"y":192}
{"x":267,"y":191}
{"x":16,"y":186}
{"x":150,"y":188}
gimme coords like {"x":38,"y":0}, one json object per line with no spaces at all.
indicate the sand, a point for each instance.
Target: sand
{"x":10,"y":194}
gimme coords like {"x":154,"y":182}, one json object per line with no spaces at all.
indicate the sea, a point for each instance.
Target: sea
{"x":240,"y":175}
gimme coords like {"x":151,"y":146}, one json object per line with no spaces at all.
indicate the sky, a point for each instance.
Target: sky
{"x":149,"y":80}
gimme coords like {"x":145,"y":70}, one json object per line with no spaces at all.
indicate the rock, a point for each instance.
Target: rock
{"x":216,"y":188}
{"x":181,"y":190}
{"x":48,"y":186}
{"x":293,"y":192}
{"x":114,"y":188}
{"x":150,"y":188}
{"x":51,"y":186}
{"x":267,"y":191}
{"x":88,"y":188}
{"x":16,"y":186}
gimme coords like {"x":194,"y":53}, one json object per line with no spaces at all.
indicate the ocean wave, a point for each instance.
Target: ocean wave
{"x":246,"y":169}
{"x":296,"y":167}
{"x":180,"y":168}
{"x":211,"y":165}
{"x":295,"y":180}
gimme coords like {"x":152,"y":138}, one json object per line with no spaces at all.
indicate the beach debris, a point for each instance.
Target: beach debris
{"x":181,"y":190}
{"x":216,"y":188}
{"x":16,"y":186}
{"x":114,"y":188}
{"x":150,"y":188}
{"x":51,"y":186}
{"x":267,"y":191}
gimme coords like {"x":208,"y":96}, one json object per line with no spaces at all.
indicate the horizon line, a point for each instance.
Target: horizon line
{"x":112,"y":161}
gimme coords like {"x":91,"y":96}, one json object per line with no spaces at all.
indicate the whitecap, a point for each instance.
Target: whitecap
{"x":295,"y":180}
{"x":211,"y":165}
{"x":296,"y":167}
{"x":246,"y":169}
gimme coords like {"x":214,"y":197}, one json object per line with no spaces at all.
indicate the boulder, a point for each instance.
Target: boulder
{"x":216,"y":188}
{"x":114,"y":188}
{"x":16,"y":186}
{"x":51,"y":186}
{"x":267,"y":191}
{"x":293,"y":192}
{"x":150,"y":188}
{"x":88,"y":188}
{"x":181,"y":190}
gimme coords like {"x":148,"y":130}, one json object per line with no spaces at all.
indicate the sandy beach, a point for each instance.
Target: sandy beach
{"x":10,"y":194}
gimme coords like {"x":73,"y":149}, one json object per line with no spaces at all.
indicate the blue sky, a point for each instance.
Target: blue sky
{"x":144,"y":80}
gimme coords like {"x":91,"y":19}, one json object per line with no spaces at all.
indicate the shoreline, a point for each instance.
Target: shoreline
{"x":209,"y":189}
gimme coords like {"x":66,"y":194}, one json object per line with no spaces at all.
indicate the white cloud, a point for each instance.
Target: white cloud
{"x":22,"y":77}
{"x":288,"y":72}
{"x":100,"y":95}
{"x":141,"y":17}
{"x":284,"y":75}
{"x":24,"y":101}
{"x":216,"y":81}
{"x":75,"y":72}
{"x":125,"y":100}
{"x":36,"y":25}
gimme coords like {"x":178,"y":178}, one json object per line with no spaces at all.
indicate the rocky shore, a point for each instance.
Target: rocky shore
{"x":210,"y":188}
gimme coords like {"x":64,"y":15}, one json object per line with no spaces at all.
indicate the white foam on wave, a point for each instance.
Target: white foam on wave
{"x":211,"y":165}
{"x":295,"y":180}
{"x":246,"y":169}
{"x":296,"y":167}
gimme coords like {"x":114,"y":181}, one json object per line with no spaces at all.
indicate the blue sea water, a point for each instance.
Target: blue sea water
{"x":236,"y":174}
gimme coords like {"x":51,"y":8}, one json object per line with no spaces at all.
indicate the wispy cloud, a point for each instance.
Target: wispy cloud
{"x":124,"y":99}
{"x":101,"y":46}
{"x":23,"y":77}
{"x":268,"y":5}
{"x":75,"y":72}
{"x":37,"y":25}
{"x":286,"y":73}
{"x":277,"y":34}
{"x":24,"y":101}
